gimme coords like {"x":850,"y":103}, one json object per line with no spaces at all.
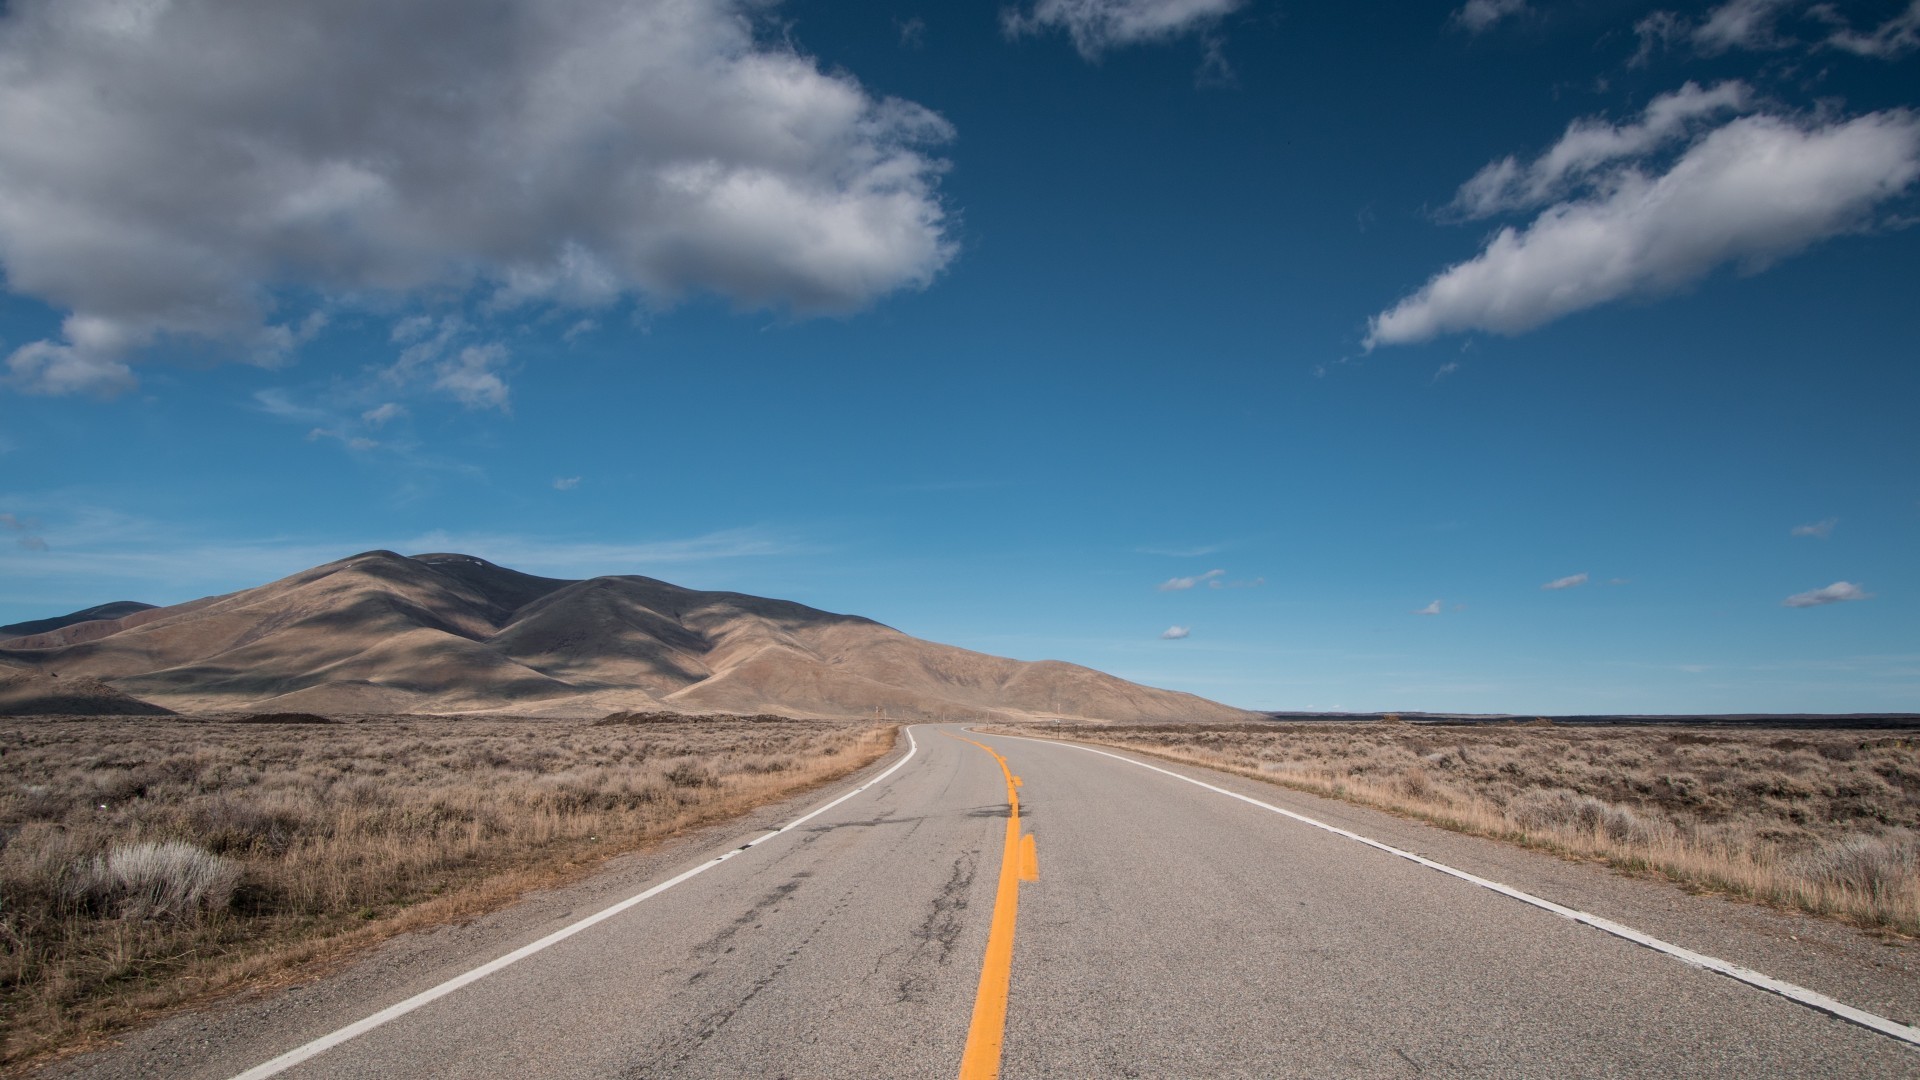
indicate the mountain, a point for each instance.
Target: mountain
{"x":117,"y":609}
{"x":384,"y":633}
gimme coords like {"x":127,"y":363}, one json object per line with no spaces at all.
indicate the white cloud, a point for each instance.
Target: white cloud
{"x":1819,"y":530}
{"x":165,"y":174}
{"x":1097,"y":26}
{"x":1757,"y":189}
{"x":1445,"y":370}
{"x":565,"y":483}
{"x":1479,"y":16}
{"x":381,"y":414}
{"x":1568,"y":582}
{"x":1740,"y":24}
{"x":1590,"y":143}
{"x":1891,"y":39}
{"x":1430,"y":609}
{"x":473,"y":377}
{"x":1835,"y":593}
{"x":1175,"y":633}
{"x":1180,"y":583}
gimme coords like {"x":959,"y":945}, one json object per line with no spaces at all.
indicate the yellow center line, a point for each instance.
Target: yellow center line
{"x":1018,"y":862}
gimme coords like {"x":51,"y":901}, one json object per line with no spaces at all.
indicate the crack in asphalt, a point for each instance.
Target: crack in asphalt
{"x":940,"y":930}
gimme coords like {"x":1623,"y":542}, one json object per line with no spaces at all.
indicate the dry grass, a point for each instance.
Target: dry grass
{"x":1822,"y":821}
{"x":145,"y":862}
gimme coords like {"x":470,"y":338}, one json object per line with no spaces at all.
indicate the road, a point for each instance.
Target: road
{"x":1166,"y":930}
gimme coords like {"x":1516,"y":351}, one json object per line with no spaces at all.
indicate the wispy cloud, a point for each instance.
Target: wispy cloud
{"x":1446,"y":369}
{"x":1891,"y":39}
{"x":1838,"y":592}
{"x":1568,"y":582}
{"x":1099,"y":26}
{"x":26,"y":532}
{"x":379,"y":415}
{"x":99,"y":554}
{"x":1181,"y":583}
{"x":565,"y":483}
{"x":1431,"y":609}
{"x":1175,"y":633}
{"x":1819,"y":530}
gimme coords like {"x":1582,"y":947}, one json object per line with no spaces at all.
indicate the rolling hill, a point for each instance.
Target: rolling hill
{"x":382,"y":633}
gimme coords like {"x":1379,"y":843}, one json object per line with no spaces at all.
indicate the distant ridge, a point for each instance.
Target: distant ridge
{"x":381,"y":632}
{"x":117,"y":609}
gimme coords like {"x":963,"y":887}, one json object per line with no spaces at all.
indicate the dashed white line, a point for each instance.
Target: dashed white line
{"x":1813,"y":999}
{"x":392,"y":1012}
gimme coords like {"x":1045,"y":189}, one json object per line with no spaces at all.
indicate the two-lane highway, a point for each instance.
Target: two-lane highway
{"x":1172,"y":931}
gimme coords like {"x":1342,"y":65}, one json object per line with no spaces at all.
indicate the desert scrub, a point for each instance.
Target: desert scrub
{"x":149,"y":861}
{"x":1823,"y":821}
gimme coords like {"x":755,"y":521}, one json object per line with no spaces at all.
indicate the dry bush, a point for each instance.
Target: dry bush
{"x":1825,"y":821}
{"x":145,"y":861}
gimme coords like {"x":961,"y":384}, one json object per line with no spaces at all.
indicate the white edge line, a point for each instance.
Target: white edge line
{"x":1811,"y":998}
{"x":392,"y":1012}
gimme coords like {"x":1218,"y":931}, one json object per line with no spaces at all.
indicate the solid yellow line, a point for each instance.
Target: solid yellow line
{"x":987,"y":1032}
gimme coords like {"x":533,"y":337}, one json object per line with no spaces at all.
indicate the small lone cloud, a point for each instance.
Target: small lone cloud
{"x":1446,"y":369}
{"x":1819,"y":530}
{"x":913,"y":32}
{"x":565,"y":483}
{"x":1835,"y":593}
{"x":380,"y":414}
{"x":1430,"y":609}
{"x":1619,"y":581}
{"x":1175,"y":633}
{"x":1568,"y":582}
{"x":1479,"y":16}
{"x":1180,"y":583}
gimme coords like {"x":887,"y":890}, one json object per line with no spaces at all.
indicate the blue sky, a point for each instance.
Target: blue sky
{"x":1210,"y":343}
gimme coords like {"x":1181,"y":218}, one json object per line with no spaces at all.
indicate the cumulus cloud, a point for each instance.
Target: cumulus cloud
{"x":1891,"y":39}
{"x":1180,"y":583}
{"x":222,"y":174}
{"x":1589,"y":144}
{"x":1479,"y":16}
{"x":1097,"y":26}
{"x":1430,"y":609}
{"x":1568,"y":582}
{"x":1835,"y":593}
{"x":1819,"y":530}
{"x":473,"y":377}
{"x":1755,"y":190}
{"x":1175,"y":633}
{"x":565,"y":483}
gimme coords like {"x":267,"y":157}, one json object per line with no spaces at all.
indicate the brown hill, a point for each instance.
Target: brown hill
{"x":380,"y":632}
{"x":25,"y":692}
{"x":103,"y":612}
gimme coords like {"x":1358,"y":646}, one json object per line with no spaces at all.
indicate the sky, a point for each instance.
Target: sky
{"x":1531,"y":357}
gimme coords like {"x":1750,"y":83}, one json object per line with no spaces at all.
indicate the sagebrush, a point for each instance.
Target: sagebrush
{"x":144,"y":861}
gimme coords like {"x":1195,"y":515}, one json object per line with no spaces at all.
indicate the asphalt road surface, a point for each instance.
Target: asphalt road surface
{"x":1165,"y":930}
